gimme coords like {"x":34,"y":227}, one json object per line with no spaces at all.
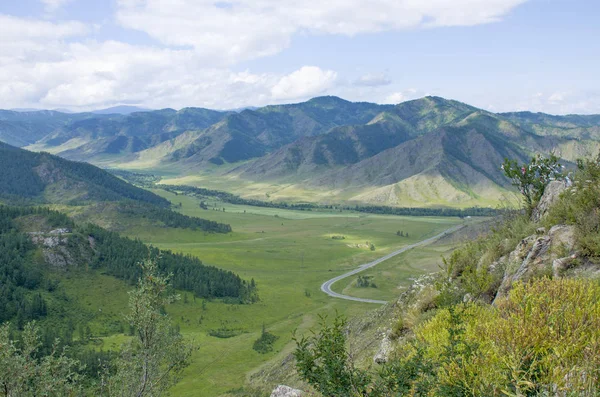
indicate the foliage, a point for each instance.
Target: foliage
{"x":154,"y":359}
{"x":119,"y":257}
{"x":469,"y":270}
{"x":23,"y":372}
{"x":580,"y":206}
{"x":264,"y":344}
{"x":533,"y":177}
{"x":543,"y":338}
{"x":171,"y":218}
{"x":365,"y":282}
{"x":322,"y":361}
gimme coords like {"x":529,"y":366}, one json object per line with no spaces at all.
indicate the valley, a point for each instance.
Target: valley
{"x":289,"y":254}
{"x":253,"y":212}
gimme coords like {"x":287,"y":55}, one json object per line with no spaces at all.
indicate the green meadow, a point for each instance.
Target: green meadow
{"x":289,"y":254}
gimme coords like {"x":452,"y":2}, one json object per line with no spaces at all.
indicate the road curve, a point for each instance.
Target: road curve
{"x":326,"y":286}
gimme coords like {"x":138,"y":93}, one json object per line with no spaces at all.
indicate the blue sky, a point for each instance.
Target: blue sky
{"x":501,"y":55}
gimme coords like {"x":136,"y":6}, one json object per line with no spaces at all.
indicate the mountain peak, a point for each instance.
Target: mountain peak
{"x":328,"y":100}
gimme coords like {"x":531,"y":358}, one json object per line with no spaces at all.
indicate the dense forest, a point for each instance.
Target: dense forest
{"x":120,"y":256}
{"x":233,"y":199}
{"x":21,"y":277}
{"x":22,"y":171}
{"x":23,"y":272}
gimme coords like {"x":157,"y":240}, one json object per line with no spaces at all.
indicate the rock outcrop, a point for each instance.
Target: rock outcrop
{"x":536,"y":255}
{"x":551,"y":194}
{"x":286,"y":391}
{"x":60,"y":249}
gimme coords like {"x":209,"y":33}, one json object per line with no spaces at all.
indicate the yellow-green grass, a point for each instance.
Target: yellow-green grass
{"x":417,"y":191}
{"x":393,"y":276}
{"x":289,"y":254}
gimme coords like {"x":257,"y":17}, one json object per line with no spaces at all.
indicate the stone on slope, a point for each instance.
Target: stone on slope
{"x":286,"y":391}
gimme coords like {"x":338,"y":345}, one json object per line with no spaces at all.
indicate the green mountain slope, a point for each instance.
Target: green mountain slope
{"x":43,"y":177}
{"x":254,"y":133}
{"x":114,"y":135}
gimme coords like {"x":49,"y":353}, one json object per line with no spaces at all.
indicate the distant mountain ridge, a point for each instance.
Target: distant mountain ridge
{"x":428,"y":151}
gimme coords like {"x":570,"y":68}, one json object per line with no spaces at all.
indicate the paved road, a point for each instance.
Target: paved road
{"x":326,"y":287}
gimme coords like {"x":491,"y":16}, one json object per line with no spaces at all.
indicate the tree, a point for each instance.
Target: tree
{"x":322,"y":361}
{"x":23,"y":374}
{"x":154,"y":359}
{"x":532,"y":178}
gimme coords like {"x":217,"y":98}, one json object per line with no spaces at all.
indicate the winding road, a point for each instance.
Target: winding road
{"x":326,"y":286}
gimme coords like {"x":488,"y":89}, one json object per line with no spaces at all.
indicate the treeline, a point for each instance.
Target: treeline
{"x":454,"y":212}
{"x":136,"y":178}
{"x":173,"y":219}
{"x":120,"y":257}
{"x":233,"y":199}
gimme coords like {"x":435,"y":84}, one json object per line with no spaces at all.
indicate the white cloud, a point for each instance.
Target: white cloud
{"x":21,"y":29}
{"x":557,"y":97}
{"x":304,"y":83}
{"x":394,"y":98}
{"x":246,"y":29}
{"x":57,"y":64}
{"x":373,"y":80}
{"x":558,"y":102}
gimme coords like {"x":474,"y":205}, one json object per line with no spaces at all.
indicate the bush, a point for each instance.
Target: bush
{"x":264,"y":344}
{"x":322,"y":361}
{"x":542,"y":339}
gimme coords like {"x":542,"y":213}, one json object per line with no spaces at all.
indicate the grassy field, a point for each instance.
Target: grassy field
{"x":289,"y":254}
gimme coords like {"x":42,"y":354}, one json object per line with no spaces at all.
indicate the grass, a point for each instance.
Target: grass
{"x":289,"y":254}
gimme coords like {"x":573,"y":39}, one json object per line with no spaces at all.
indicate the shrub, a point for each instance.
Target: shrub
{"x":532,"y":178}
{"x":542,"y":339}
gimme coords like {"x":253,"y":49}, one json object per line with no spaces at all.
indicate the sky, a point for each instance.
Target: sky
{"x":500,"y":55}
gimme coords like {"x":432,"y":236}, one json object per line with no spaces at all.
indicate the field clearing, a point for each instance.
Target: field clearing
{"x":289,"y":254}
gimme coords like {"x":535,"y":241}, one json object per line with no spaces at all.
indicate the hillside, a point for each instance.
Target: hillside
{"x":41,"y":177}
{"x":425,"y":152}
{"x":513,"y":311}
{"x":45,"y":255}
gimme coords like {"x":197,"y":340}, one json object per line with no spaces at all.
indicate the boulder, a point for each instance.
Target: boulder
{"x":286,"y":391}
{"x":551,"y":194}
{"x":385,"y":348}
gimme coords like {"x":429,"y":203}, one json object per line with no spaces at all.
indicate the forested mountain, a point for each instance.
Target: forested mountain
{"x":42,"y":177}
{"x":429,"y":151}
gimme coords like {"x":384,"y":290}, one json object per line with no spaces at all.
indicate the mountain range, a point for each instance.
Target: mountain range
{"x":429,"y":151}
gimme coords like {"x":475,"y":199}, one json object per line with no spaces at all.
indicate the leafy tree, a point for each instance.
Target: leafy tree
{"x":322,"y":361}
{"x":23,"y":374}
{"x":533,"y":177}
{"x":154,"y":359}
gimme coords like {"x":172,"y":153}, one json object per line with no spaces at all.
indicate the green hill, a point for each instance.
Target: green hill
{"x":42,"y":177}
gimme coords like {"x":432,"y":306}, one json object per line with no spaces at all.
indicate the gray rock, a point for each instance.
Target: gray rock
{"x":286,"y":391}
{"x":385,"y":348}
{"x":537,"y":255}
{"x":551,"y":194}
